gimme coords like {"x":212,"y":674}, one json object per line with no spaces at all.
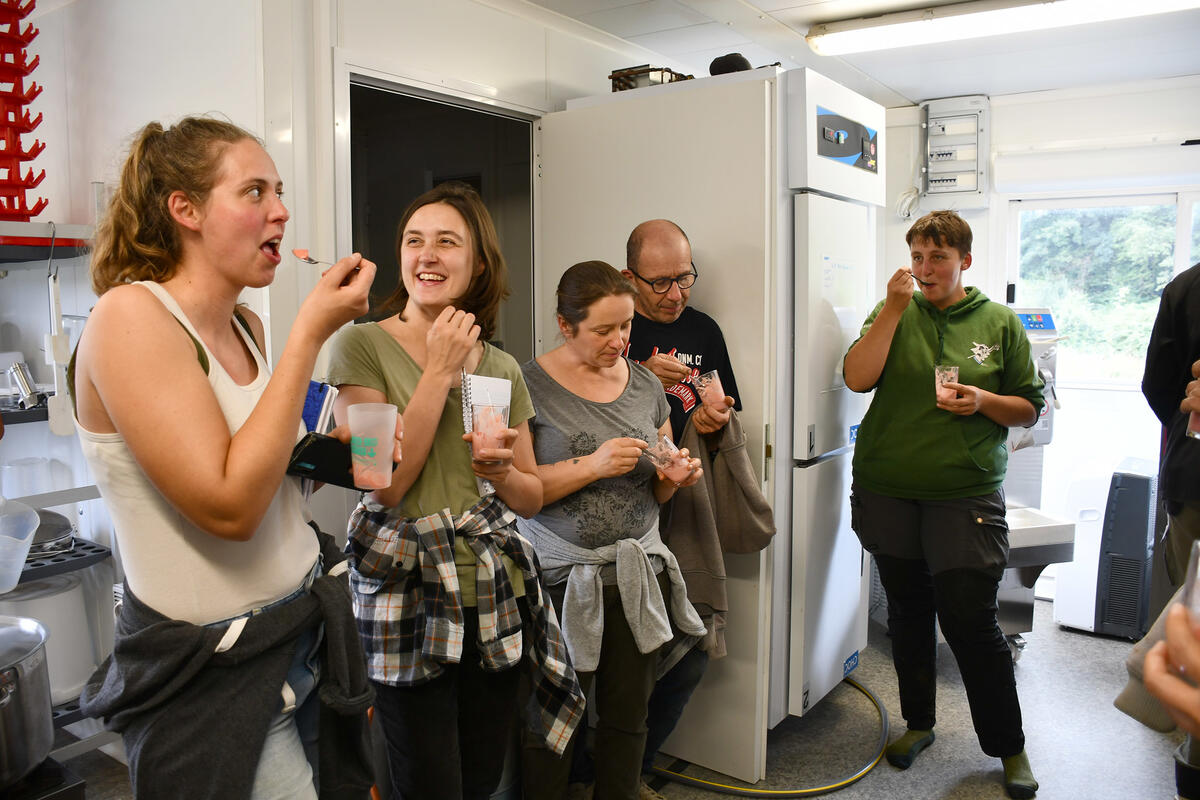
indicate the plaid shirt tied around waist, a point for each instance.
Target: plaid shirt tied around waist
{"x":408,"y":605}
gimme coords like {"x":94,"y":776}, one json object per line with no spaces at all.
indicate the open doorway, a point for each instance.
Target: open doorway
{"x":402,"y":144}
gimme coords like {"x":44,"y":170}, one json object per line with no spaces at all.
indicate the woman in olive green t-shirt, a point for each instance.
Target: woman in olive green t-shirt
{"x":452,"y":280}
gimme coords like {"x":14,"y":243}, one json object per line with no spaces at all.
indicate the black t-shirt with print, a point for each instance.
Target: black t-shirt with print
{"x":696,"y":340}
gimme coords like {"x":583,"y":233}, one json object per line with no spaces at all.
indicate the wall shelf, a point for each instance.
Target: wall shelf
{"x":85,"y":553}
{"x":28,"y":243}
{"x":15,"y":416}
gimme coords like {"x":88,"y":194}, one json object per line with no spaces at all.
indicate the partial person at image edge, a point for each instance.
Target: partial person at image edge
{"x":1174,"y":345}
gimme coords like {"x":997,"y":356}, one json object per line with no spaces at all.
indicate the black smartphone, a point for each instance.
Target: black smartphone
{"x":322,"y":458}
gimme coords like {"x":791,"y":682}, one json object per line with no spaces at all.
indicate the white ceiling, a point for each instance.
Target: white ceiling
{"x":690,"y":33}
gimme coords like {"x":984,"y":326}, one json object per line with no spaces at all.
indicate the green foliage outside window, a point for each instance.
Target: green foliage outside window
{"x":1100,"y":271}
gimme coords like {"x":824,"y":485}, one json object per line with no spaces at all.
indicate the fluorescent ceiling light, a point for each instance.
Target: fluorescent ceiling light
{"x":975,"y":19}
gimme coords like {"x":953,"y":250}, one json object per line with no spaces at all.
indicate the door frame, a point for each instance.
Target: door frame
{"x":351,"y":67}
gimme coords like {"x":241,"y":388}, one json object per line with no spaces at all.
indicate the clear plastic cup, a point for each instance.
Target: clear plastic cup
{"x":18,"y":523}
{"x":943,"y":374}
{"x":488,"y":424}
{"x":372,"y":443}
{"x":709,"y":387}
{"x":668,"y":459}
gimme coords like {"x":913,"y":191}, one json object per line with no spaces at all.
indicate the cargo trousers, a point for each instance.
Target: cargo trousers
{"x":940,"y":562}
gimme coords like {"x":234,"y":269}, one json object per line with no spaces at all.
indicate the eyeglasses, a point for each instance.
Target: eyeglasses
{"x":663,"y":285}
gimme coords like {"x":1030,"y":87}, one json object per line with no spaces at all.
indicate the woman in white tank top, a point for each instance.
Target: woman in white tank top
{"x":187,"y":431}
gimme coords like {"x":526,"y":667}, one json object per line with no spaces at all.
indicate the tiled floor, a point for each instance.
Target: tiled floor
{"x":1079,"y":745}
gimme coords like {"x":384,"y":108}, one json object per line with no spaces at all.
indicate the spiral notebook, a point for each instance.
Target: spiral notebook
{"x":484,"y":390}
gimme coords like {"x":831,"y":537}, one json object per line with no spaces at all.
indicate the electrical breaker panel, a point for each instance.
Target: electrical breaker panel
{"x":956,"y":151}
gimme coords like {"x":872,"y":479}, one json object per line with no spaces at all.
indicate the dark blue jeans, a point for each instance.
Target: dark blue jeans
{"x":446,"y":739}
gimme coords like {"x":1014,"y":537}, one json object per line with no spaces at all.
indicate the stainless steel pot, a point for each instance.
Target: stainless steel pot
{"x":26,"y":724}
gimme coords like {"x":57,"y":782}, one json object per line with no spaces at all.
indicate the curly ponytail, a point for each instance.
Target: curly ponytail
{"x":137,"y":239}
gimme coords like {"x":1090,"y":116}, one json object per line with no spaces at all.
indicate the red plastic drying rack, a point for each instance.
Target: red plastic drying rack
{"x":14,"y":117}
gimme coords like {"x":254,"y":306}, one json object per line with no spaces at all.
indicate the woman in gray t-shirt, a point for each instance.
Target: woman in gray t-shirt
{"x":597,"y":533}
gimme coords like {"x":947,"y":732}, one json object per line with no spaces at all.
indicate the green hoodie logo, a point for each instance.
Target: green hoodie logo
{"x":980,"y":352}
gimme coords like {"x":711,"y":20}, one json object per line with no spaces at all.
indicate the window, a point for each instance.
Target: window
{"x":1195,"y":233}
{"x":1100,"y":266}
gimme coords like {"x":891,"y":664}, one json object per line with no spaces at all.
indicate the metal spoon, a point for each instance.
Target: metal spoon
{"x":302,"y":254}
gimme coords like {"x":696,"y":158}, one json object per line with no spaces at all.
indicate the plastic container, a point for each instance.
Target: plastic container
{"x":58,"y":603}
{"x":18,"y":523}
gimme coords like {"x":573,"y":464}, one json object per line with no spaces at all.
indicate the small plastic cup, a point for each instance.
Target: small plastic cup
{"x":943,"y":374}
{"x":709,"y":387}
{"x":1193,"y":426}
{"x":488,"y":424}
{"x":668,"y":459}
{"x":372,"y":442}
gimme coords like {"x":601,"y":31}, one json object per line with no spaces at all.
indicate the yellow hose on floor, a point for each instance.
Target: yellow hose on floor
{"x":720,"y":788}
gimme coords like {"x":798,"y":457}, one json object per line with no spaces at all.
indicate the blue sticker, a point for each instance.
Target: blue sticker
{"x":853,"y":434}
{"x":849,"y":664}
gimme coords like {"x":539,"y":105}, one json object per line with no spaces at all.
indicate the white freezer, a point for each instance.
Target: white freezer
{"x":830,"y":583}
{"x":835,"y":270}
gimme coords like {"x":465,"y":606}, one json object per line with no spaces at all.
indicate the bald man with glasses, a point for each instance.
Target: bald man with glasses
{"x":675,"y":342}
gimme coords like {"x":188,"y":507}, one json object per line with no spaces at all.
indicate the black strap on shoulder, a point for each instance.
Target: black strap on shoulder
{"x":245,"y":323}
{"x":201,"y":356}
{"x":71,"y":380}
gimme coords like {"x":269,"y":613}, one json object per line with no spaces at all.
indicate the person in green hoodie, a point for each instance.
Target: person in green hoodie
{"x":926,"y":499}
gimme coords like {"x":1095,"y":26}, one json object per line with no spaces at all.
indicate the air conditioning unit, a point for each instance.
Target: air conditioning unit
{"x":1107,"y":589}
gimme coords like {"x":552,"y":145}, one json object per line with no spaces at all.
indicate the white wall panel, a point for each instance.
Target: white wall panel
{"x":501,"y":55}
{"x":1121,"y":115}
{"x":576,"y":68}
{"x":129,"y":62}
